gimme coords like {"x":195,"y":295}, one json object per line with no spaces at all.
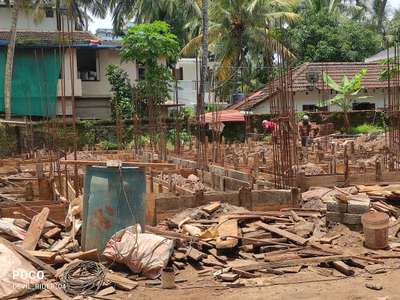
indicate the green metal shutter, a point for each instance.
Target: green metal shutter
{"x":34,"y":85}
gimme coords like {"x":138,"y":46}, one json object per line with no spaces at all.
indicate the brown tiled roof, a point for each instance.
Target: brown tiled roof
{"x":300,"y":83}
{"x":48,"y":37}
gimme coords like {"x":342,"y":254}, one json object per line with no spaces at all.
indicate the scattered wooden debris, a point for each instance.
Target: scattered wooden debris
{"x":227,"y":227}
{"x":293,"y":237}
{"x":343,"y":268}
{"x":121,"y":282}
{"x":35,"y":230}
{"x":210,"y":208}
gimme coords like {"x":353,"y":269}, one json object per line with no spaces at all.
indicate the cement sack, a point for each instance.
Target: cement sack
{"x":17,"y":275}
{"x":7,"y":226}
{"x":143,"y":253}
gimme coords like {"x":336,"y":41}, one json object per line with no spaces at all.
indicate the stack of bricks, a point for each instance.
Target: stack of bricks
{"x":346,"y":212}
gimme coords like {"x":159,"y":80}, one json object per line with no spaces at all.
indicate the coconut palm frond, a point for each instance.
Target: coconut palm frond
{"x":195,"y":43}
{"x":225,"y":69}
{"x":289,"y":16}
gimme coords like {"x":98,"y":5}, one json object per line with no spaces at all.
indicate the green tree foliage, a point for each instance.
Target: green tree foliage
{"x":175,"y":12}
{"x":347,"y":92}
{"x":240,"y":29}
{"x":148,"y":44}
{"x":121,"y":101}
{"x":326,"y":6}
{"x":330,"y":37}
{"x":393,"y":27}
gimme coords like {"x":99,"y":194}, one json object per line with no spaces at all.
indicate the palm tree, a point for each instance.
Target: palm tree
{"x":174,"y":12}
{"x":82,"y":8}
{"x":379,"y":13}
{"x":329,"y":6}
{"x":238,"y":27}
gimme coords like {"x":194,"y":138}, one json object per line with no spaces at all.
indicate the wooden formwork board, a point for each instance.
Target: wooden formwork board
{"x":305,"y":182}
{"x":31,"y":208}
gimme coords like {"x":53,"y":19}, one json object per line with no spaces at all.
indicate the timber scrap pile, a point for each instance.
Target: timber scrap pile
{"x":42,"y":244}
{"x":217,"y":244}
{"x":236,"y":246}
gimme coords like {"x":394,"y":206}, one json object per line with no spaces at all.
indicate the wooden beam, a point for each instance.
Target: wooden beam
{"x":290,"y":236}
{"x":121,"y":282}
{"x":124,"y":163}
{"x":343,"y":268}
{"x":293,"y":262}
{"x":57,"y":291}
{"x":227,"y":227}
{"x":46,"y":256}
{"x":35,"y":229}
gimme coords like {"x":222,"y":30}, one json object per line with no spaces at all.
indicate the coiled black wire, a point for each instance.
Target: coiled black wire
{"x":83,"y":278}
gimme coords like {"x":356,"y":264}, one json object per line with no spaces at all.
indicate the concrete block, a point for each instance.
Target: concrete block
{"x":358,"y":207}
{"x":238,"y":175}
{"x":343,"y":218}
{"x":336,"y":206}
{"x":217,"y":170}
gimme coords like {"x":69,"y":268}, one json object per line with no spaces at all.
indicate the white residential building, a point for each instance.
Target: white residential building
{"x":83,"y":67}
{"x":309,"y":91}
{"x":187,"y":72}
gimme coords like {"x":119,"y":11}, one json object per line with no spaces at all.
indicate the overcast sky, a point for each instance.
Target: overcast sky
{"x":107,"y":22}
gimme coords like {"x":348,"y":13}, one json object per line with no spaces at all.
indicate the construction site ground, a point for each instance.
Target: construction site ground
{"x":226,"y":231}
{"x":290,"y":287}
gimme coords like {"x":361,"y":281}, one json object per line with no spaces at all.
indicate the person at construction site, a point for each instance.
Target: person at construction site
{"x":305,"y":133}
{"x":268,"y":126}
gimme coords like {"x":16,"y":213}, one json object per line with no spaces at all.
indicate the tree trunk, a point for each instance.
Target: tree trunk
{"x":346,"y":121}
{"x":381,"y":15}
{"x":204,"y":61}
{"x":86,"y":20}
{"x":201,"y":155}
{"x":10,"y":60}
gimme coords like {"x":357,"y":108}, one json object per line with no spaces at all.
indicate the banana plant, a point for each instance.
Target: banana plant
{"x":347,"y":92}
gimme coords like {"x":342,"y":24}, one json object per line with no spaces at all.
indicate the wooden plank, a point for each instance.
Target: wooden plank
{"x":328,"y":239}
{"x":46,"y":256}
{"x":107,"y":291}
{"x":121,"y":282}
{"x":260,"y":242}
{"x":343,"y":268}
{"x":244,"y":274}
{"x":210,"y":208}
{"x":124,"y":163}
{"x":52,"y":232}
{"x":290,"y":236}
{"x":35,"y":229}
{"x":151,"y":214}
{"x":227,"y":227}
{"x":294,"y":262}
{"x":57,"y":291}
{"x":280,"y":257}
{"x":60,"y":244}
{"x":195,"y":254}
{"x":35,"y":261}
{"x":88,"y":255}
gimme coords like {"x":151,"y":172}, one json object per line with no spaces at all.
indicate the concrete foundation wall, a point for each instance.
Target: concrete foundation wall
{"x":162,"y":206}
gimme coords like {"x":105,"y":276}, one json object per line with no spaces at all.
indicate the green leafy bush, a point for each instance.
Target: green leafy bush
{"x":107,"y":145}
{"x":367,"y":128}
{"x":122,"y":92}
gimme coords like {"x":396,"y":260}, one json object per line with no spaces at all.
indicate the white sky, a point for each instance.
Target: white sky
{"x":107,"y":22}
